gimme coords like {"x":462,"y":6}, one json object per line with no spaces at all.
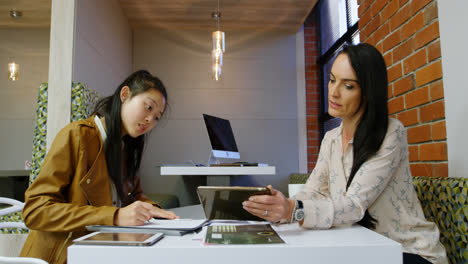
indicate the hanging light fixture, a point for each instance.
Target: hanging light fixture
{"x":218,"y":48}
{"x":13,"y":70}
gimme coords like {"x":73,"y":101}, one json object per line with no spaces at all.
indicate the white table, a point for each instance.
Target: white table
{"x":348,"y":245}
{"x":217,"y":175}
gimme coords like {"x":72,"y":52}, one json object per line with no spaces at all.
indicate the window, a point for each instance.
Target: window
{"x":338,"y":27}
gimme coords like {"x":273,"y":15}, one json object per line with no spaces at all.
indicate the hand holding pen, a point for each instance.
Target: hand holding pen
{"x":138,"y":212}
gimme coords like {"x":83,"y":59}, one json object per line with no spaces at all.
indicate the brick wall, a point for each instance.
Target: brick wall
{"x":407,"y":34}
{"x":312,"y":54}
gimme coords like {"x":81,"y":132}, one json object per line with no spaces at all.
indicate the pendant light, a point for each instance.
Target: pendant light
{"x":13,"y":71}
{"x":218,"y":48}
{"x":13,"y":68}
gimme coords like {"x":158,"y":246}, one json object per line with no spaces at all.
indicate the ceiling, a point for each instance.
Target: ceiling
{"x":36,"y":13}
{"x":257,"y":15}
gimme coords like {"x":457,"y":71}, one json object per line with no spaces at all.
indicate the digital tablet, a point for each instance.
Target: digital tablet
{"x":119,"y":239}
{"x":225,"y":202}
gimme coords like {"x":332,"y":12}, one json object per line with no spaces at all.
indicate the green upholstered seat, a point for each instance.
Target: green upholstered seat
{"x":298,"y":178}
{"x":444,"y":201}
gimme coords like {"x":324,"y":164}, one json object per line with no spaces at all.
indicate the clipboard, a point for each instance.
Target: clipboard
{"x":119,"y":239}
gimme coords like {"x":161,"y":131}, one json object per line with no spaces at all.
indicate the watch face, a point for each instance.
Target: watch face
{"x":299,"y":215}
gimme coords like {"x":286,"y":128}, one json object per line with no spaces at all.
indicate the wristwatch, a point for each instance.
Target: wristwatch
{"x":298,"y":213}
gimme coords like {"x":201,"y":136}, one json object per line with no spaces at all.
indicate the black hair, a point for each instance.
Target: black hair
{"x":110,"y":108}
{"x":371,"y":72}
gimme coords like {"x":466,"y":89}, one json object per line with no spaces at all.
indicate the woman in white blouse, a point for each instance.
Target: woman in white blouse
{"x":362,"y":174}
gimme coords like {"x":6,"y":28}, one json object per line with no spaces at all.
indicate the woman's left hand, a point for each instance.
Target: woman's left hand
{"x":272,"y":207}
{"x":161,"y":213}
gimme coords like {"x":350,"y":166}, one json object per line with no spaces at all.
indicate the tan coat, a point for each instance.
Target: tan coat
{"x":72,"y":191}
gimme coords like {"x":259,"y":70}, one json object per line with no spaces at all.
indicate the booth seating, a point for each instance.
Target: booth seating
{"x":444,"y":202}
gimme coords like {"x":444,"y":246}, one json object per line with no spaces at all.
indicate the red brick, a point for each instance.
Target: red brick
{"x":379,"y":47}
{"x":430,"y":13}
{"x":421,"y":169}
{"x":400,"y":17}
{"x":403,"y":85}
{"x":413,"y":153}
{"x":381,"y":32}
{"x":432,"y":111}
{"x":441,"y":170}
{"x":429,"y":73}
{"x":365,"y":18}
{"x":439,"y":131}
{"x":391,"y":41}
{"x":370,"y":40}
{"x":388,"y":58}
{"x":419,"y":134}
{"x":436,"y":90}
{"x":377,"y":6}
{"x":312,"y":97}
{"x":417,"y":97}
{"x":371,"y":26}
{"x":426,"y":35}
{"x":363,"y":5}
{"x":415,"y":61}
{"x":396,"y":105}
{"x":403,"y":2}
{"x":409,"y":117}
{"x":394,"y":72}
{"x":390,"y":91}
{"x":416,"y":5}
{"x":389,"y":10}
{"x":415,"y":24}
{"x":433,"y":50}
{"x":403,"y":50}
{"x":433,"y":151}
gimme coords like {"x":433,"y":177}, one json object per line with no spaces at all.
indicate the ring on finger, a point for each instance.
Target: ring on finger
{"x":266,"y":213}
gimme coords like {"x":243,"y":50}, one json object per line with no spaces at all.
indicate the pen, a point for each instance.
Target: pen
{"x":132,"y":197}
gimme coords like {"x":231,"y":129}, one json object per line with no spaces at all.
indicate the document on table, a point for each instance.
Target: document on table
{"x":168,"y":227}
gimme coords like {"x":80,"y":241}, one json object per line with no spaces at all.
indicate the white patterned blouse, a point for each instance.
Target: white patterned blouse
{"x":383,"y":184}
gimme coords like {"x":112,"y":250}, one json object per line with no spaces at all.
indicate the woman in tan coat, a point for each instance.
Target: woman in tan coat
{"x":89,"y":176}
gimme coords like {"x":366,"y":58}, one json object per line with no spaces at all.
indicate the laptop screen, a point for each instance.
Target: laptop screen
{"x":220,"y":133}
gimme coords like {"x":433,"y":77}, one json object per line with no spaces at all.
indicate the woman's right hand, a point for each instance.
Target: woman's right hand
{"x":134,"y":214}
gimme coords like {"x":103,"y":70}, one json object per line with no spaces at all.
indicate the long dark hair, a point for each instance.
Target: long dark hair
{"x":371,"y":73}
{"x":110,"y":107}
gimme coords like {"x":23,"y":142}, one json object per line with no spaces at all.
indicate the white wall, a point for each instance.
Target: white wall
{"x":103,"y":45}
{"x":30,"y":49}
{"x":257,"y":94}
{"x":453,"y":38}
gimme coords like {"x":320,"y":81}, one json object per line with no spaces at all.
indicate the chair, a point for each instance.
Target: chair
{"x":12,"y":243}
{"x":445,"y":202}
{"x":14,"y":260}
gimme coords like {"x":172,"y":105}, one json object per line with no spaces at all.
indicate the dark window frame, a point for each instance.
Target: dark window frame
{"x":345,"y":39}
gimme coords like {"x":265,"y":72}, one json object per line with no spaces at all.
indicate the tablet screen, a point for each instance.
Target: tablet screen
{"x":125,"y":239}
{"x":225,"y":202}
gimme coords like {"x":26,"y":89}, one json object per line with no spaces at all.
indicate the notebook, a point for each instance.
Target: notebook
{"x":168,"y":227}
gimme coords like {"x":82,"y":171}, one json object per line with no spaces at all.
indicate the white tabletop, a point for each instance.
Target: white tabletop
{"x":353,"y":244}
{"x":193,"y":170}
